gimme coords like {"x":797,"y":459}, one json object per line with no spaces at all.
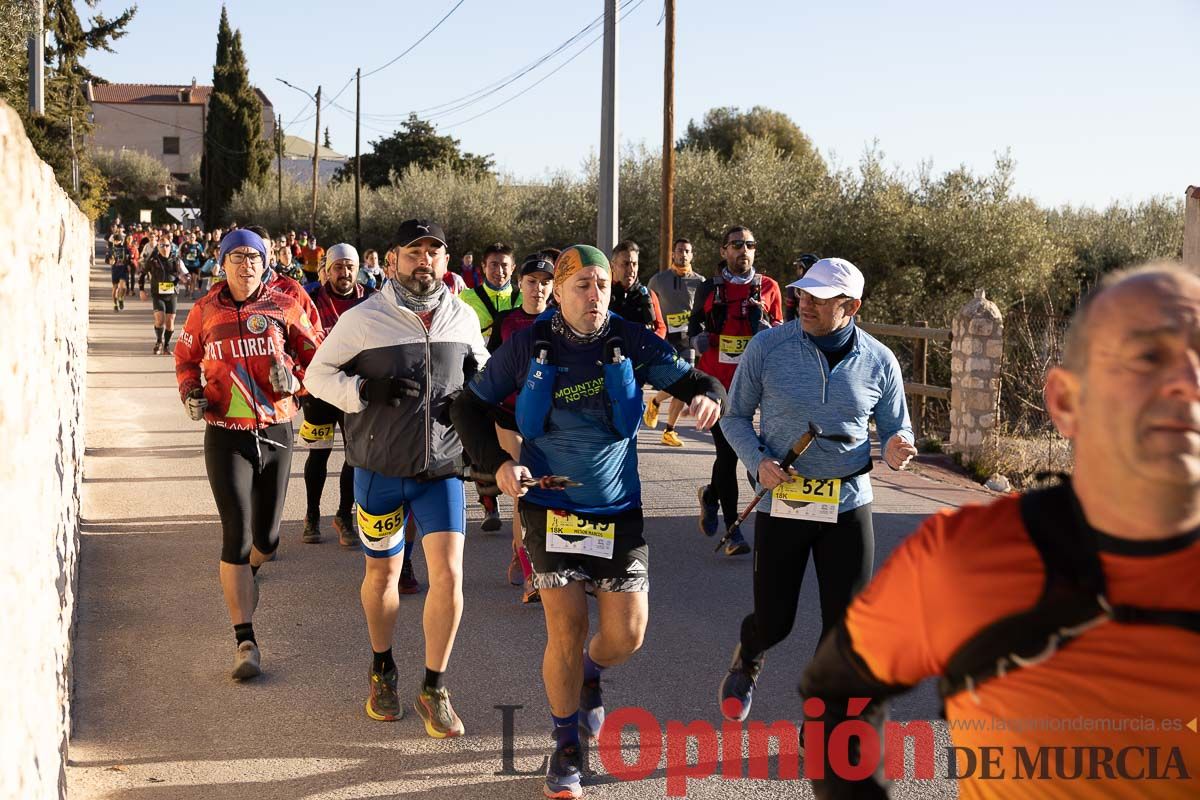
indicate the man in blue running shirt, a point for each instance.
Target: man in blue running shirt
{"x":579,"y":370}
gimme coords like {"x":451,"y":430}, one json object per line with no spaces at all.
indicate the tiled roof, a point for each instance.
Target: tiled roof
{"x":154,"y":93}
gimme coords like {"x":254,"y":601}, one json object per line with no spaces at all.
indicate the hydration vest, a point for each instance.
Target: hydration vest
{"x":536,"y":398}
{"x":1073,"y":601}
{"x":636,"y":306}
{"x":714,"y":319}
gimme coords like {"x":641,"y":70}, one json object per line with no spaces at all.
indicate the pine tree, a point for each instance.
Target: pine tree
{"x":328,"y":143}
{"x":234,"y":150}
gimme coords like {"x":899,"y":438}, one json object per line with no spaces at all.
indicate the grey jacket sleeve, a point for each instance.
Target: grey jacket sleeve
{"x":325,"y":378}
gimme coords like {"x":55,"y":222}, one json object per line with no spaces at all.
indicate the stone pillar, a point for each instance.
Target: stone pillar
{"x":1191,"y":227}
{"x":976,"y":352}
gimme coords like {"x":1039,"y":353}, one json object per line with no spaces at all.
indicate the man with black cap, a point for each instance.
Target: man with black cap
{"x":394,"y":364}
{"x":820,"y":369}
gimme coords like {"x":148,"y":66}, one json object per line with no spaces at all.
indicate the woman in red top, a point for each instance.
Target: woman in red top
{"x":238,"y":365}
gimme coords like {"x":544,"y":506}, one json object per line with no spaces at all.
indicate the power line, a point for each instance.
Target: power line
{"x":417,"y":42}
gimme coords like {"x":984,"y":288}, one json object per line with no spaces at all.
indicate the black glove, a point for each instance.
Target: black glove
{"x":443,"y":414}
{"x":389,"y":390}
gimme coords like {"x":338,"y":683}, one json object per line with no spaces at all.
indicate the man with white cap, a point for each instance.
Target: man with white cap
{"x":338,"y":294}
{"x":825,"y":370}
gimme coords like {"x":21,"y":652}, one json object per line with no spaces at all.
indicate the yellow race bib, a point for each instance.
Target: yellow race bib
{"x":813,"y":499}
{"x":731,"y":348}
{"x":378,"y":528}
{"x":677,"y":323}
{"x":166,"y":288}
{"x":318,"y":436}
{"x":568,"y":533}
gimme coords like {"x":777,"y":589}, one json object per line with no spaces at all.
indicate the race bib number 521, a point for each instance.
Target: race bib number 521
{"x":813,"y":499}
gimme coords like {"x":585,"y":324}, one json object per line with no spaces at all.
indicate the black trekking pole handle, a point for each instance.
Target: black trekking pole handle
{"x":797,"y":449}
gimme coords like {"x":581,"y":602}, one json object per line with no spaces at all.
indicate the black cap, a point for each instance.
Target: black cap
{"x":413,"y":229}
{"x":537,"y":263}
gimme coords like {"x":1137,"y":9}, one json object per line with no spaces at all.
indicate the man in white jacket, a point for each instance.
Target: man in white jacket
{"x":393,"y":364}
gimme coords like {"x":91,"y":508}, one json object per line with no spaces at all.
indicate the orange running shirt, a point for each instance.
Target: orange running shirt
{"x":1117,"y":686}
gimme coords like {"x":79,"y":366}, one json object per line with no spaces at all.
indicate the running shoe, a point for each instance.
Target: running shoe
{"x":651,"y":415}
{"x":737,"y":545}
{"x":564,"y":775}
{"x":671,"y":439}
{"x":530,"y":594}
{"x":121,"y":305}
{"x":158,"y":348}
{"x":345,"y":530}
{"x":383,"y":703}
{"x":246,"y":661}
{"x":408,"y":579}
{"x":491,"y":520}
{"x":737,"y":689}
{"x":591,"y":709}
{"x":312,"y":531}
{"x":440,"y":720}
{"x":708,"y":513}
{"x":115,"y":307}
{"x":515,"y":574}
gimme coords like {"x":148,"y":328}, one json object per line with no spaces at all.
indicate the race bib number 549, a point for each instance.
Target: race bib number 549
{"x":568,"y":533}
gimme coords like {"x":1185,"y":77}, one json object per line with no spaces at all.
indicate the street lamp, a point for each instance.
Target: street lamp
{"x":312,"y":221}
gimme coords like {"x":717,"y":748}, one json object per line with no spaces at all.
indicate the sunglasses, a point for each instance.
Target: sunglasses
{"x":738,"y":244}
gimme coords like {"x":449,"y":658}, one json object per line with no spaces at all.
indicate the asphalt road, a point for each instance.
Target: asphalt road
{"x":158,"y":717}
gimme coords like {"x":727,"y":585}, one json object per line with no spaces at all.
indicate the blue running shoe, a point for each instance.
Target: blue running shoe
{"x":591,"y":709}
{"x":737,"y":545}
{"x":708,"y":514}
{"x":737,"y":689}
{"x":564,"y":776}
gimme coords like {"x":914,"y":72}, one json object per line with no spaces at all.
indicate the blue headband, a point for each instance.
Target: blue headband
{"x":242,"y":238}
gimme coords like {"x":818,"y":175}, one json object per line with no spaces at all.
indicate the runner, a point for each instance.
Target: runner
{"x":118,"y":257}
{"x":333,"y":298}
{"x":579,"y":412}
{"x":791,"y":301}
{"x":494,"y":293}
{"x":392,"y":365}
{"x":164,"y":272}
{"x":370,"y":274}
{"x":730,"y":308}
{"x":676,"y":290}
{"x":630,"y":299}
{"x":236,"y":364}
{"x":312,"y":257}
{"x":825,"y":370}
{"x":191,"y":252}
{"x":1063,"y":623}
{"x":536,"y":285}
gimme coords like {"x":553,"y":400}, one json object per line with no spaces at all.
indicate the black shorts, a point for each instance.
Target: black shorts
{"x":120,"y":275}
{"x":683,"y":347}
{"x":319,"y":419}
{"x":164,"y":303}
{"x":627,"y":571}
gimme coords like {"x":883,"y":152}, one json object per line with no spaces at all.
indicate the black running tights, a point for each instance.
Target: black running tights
{"x":316,"y":469}
{"x":724,"y":484}
{"x":249,"y":482}
{"x":843,"y":554}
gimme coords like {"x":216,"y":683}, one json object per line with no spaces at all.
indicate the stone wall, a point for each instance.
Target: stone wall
{"x":45,"y":257}
{"x":976,"y":353}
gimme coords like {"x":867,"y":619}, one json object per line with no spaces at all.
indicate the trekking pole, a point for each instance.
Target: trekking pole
{"x":798,"y":447}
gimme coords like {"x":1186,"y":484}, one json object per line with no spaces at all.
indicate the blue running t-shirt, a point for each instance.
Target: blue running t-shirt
{"x":580,"y":441}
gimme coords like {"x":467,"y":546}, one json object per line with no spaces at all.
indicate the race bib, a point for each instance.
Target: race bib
{"x":166,"y":288}
{"x":813,"y":499}
{"x":319,"y":437}
{"x":731,"y":348}
{"x":376,"y":528}
{"x":677,"y":323}
{"x":567,"y":533}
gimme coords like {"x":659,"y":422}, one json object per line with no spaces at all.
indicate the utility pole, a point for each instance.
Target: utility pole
{"x":607,"y":216}
{"x":357,"y":160}
{"x":312,"y":220}
{"x":666,"y":233}
{"x":279,"y":162}
{"x":37,"y":62}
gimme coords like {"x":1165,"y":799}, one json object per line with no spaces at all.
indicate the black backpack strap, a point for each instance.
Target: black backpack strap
{"x":487,"y":302}
{"x":1072,"y":599}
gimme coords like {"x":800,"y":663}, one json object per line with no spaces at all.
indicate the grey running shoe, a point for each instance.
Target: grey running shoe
{"x":737,"y":689}
{"x":246,"y":661}
{"x":383,"y":703}
{"x":312,"y":531}
{"x":440,"y":720}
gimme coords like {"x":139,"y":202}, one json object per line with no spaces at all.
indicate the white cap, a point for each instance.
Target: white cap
{"x":340,"y":251}
{"x":831,"y":277}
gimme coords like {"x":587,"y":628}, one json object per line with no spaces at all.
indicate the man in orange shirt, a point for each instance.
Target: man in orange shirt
{"x":1064,"y":623}
{"x":311,"y":257}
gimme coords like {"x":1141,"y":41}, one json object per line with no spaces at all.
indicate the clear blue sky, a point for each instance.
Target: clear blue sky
{"x":1096,"y":100}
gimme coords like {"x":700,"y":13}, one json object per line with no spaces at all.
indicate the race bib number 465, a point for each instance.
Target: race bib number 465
{"x":568,"y":533}
{"x":813,"y":499}
{"x":381,"y":527}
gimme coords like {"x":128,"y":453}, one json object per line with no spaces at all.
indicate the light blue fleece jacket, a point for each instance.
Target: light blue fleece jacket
{"x":785,"y":376}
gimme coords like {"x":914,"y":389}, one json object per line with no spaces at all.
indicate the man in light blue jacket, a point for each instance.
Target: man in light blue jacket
{"x":819,"y":368}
